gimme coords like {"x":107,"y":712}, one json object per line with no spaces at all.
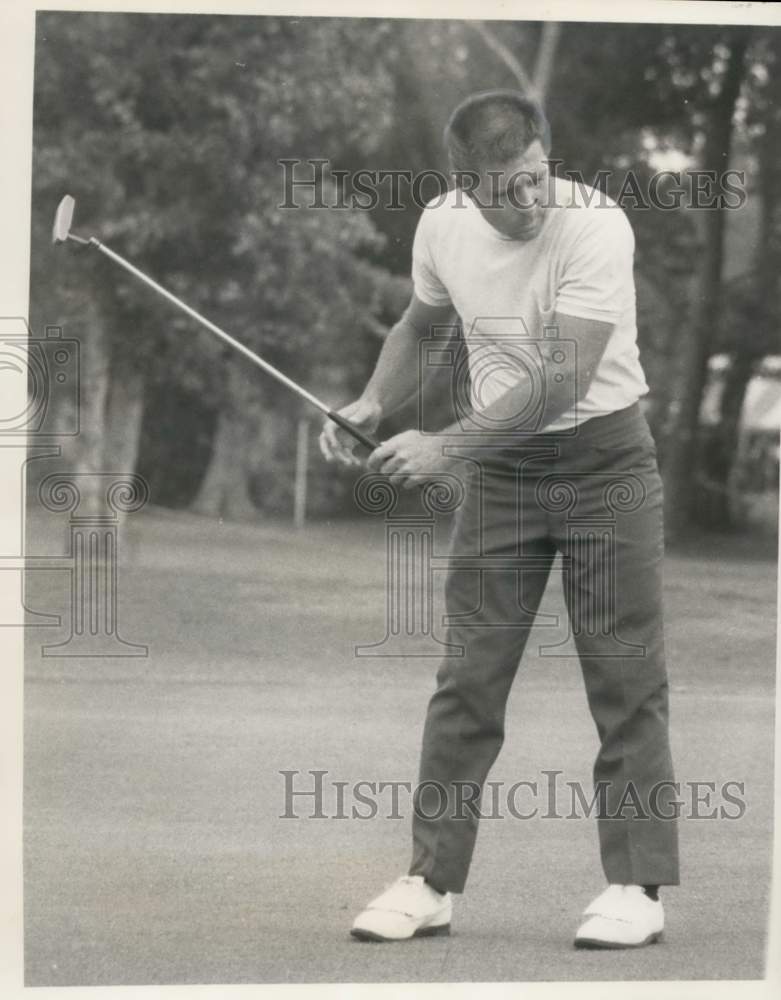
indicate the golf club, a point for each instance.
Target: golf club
{"x":61,"y":233}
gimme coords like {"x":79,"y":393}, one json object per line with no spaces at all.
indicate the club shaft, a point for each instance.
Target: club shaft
{"x":226,"y":337}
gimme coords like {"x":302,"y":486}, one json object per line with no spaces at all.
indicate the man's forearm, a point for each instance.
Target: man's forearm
{"x":565,"y":385}
{"x":504,"y":417}
{"x":394,"y":378}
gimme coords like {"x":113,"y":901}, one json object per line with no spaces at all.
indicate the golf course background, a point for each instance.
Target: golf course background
{"x":172,"y":132}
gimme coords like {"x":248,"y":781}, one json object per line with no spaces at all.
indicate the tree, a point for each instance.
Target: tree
{"x":169,"y":131}
{"x":535,"y":84}
{"x":725,"y":77}
{"x":752,"y":317}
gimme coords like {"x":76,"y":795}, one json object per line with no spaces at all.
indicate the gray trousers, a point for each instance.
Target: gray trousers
{"x":596,"y":497}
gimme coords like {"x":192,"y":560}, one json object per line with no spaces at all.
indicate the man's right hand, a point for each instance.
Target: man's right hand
{"x":339,"y":446}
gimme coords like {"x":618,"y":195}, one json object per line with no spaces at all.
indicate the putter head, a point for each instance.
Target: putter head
{"x":63,"y":219}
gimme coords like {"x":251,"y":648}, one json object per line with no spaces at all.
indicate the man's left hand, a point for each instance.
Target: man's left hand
{"x":408,"y":457}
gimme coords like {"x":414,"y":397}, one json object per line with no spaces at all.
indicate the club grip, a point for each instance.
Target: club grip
{"x":347,"y":425}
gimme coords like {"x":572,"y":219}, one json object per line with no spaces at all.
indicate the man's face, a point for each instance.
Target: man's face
{"x":511,"y":196}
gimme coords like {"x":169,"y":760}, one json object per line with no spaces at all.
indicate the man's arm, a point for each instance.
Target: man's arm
{"x":590,"y":338}
{"x":413,"y":454}
{"x":394,"y":380}
{"x":395,"y":376}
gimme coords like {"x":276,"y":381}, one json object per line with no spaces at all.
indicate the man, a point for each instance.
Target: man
{"x":512,"y":249}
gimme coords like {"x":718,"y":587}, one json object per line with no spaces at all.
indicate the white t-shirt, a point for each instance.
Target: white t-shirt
{"x":507,"y":291}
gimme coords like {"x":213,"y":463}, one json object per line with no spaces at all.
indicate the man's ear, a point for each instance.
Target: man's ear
{"x":466,"y":180}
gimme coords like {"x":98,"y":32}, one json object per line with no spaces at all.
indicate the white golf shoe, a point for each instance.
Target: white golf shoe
{"x":621,"y":917}
{"x":409,"y":908}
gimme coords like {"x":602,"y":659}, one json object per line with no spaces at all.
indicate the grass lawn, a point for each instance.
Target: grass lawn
{"x":155,"y":848}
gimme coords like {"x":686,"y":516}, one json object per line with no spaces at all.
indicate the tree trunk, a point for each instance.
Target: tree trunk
{"x":682,"y":451}
{"x":721,"y":450}
{"x":124,"y":415}
{"x":546,"y":56}
{"x":751,"y":345}
{"x":415,"y":105}
{"x":94,"y":380}
{"x":225,"y":491}
{"x":506,"y":56}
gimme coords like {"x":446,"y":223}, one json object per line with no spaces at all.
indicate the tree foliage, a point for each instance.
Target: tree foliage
{"x":170,"y":129}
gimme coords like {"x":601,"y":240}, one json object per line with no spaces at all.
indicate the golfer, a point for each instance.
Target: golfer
{"x":542,"y":264}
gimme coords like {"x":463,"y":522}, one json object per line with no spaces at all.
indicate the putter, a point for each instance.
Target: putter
{"x":61,"y":233}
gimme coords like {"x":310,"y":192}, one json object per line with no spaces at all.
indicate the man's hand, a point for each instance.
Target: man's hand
{"x":409,"y":455}
{"x":336,"y":444}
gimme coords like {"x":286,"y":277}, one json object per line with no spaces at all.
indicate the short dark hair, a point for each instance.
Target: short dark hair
{"x":493,"y":127}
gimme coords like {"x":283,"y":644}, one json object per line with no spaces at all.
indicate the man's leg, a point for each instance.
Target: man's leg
{"x":464,"y":726}
{"x":496,"y":579}
{"x":613,"y":584}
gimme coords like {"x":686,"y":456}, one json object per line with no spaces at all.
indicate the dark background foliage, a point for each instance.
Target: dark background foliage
{"x":169,"y":129}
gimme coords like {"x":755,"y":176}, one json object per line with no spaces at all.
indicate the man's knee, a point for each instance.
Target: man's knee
{"x":469,"y":705}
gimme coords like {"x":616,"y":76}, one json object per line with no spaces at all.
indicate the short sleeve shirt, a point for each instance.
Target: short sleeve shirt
{"x":507,"y":291}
